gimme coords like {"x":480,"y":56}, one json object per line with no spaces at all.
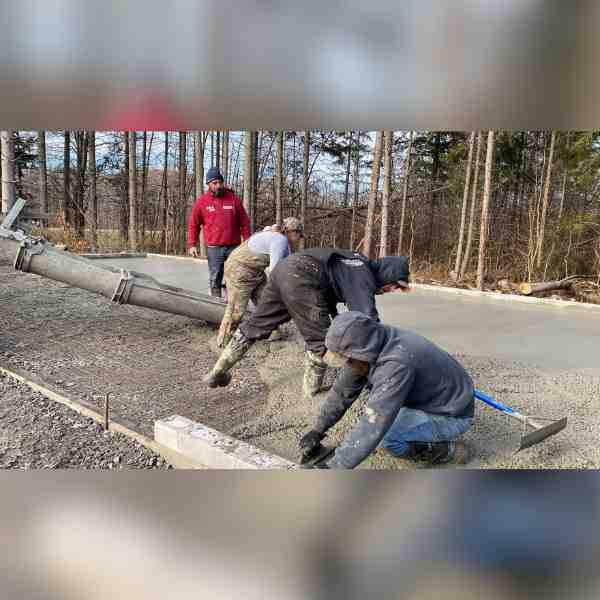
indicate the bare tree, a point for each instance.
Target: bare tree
{"x":199,"y":145}
{"x":305,"y":178}
{"x":78,"y":193}
{"x":463,"y":212}
{"x":368,"y":238}
{"x":93,"y":198}
{"x":347,"y":182}
{"x":133,"y":190}
{"x":67,"y":181}
{"x":249,"y":175}
{"x":407,"y":167}
{"x":43,"y":189}
{"x":226,"y":156}
{"x":546,"y":196}
{"x":165,"y":196}
{"x":8,"y":170}
{"x":387,"y":191}
{"x":467,"y":255}
{"x":279,"y":179}
{"x":182,"y":190}
{"x":487,"y":190}
{"x":356,"y":184}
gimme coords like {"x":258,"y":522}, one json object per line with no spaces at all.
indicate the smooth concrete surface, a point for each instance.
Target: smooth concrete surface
{"x":188,"y":273}
{"x":211,"y":448}
{"x":547,"y":336}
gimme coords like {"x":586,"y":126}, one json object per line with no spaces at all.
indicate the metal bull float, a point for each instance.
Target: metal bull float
{"x":36,"y":255}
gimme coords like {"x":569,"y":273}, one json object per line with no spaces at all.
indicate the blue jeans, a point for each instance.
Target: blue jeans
{"x":217,"y":255}
{"x":412,"y":425}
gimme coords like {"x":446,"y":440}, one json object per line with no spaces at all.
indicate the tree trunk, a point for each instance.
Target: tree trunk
{"x":79,"y":207}
{"x":347,"y":182}
{"x":545,"y":199}
{"x":255,"y":188}
{"x":483,"y":231}
{"x":356,"y":183}
{"x":142,"y":201}
{"x":181,"y":191}
{"x":248,"y":173}
{"x":407,"y":167}
{"x":463,"y":212}
{"x":43,"y":197}
{"x":218,"y":151}
{"x":368,"y":237}
{"x":67,"y":215}
{"x":387,"y":191}
{"x":199,"y":143}
{"x":9,"y":195}
{"x":165,"y":196}
{"x":279,"y":180}
{"x":133,"y":190}
{"x":305,"y":178}
{"x":467,"y":256}
{"x":93,"y":199}
{"x":528,"y":289}
{"x":435,"y":168}
{"x":226,"y":156}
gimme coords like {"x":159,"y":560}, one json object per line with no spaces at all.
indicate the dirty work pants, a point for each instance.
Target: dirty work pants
{"x":412,"y":425}
{"x":245,"y":280}
{"x":217,"y":255}
{"x":296,"y":290}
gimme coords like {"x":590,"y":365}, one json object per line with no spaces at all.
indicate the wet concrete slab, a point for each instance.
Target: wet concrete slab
{"x":550,"y":337}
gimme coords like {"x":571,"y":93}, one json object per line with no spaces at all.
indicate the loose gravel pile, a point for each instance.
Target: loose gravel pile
{"x":39,"y":433}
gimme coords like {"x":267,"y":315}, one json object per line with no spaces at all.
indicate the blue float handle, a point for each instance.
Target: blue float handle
{"x":494,"y":403}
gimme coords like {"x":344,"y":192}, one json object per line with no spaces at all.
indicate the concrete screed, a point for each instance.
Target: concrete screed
{"x":541,"y":359}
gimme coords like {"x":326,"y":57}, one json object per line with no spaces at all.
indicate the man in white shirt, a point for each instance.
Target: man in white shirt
{"x":246,"y":269}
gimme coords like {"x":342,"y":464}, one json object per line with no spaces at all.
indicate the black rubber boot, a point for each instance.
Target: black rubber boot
{"x":438,"y":453}
{"x":216,"y":292}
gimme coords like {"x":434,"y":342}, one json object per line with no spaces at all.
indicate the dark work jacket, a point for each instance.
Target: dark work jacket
{"x":354,"y":279}
{"x":406,"y":369}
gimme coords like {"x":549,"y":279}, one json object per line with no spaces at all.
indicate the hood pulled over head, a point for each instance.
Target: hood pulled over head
{"x":390,"y":269}
{"x":354,"y":335}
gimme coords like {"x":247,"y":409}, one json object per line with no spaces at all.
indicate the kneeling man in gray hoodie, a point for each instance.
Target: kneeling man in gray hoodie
{"x":420,"y":398}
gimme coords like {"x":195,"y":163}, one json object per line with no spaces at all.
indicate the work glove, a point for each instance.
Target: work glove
{"x":310,"y":443}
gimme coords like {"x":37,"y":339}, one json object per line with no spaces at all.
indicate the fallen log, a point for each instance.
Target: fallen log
{"x":528,"y":289}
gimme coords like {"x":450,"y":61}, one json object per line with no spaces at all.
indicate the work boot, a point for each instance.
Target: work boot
{"x":438,"y":453}
{"x":233,"y":353}
{"x":314,"y":373}
{"x":215,"y":292}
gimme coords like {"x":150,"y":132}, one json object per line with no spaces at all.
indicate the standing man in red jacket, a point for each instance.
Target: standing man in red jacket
{"x":225,"y":222}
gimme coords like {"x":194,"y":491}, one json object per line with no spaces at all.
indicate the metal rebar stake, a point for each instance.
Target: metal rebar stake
{"x":106,"y":409}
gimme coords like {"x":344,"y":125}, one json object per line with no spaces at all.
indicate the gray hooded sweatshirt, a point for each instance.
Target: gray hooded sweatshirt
{"x":406,"y":369}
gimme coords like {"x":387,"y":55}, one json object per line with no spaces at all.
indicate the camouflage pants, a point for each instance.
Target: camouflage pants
{"x":245,"y":280}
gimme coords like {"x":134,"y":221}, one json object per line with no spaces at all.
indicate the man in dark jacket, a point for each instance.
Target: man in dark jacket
{"x":306,"y":288}
{"x":225,"y":221}
{"x":420,"y":399}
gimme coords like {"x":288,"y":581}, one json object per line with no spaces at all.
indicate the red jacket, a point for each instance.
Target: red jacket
{"x":223,"y":220}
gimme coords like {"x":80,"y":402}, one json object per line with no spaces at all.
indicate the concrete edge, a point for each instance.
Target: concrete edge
{"x":212,"y":448}
{"x":92,"y":255}
{"x":510,"y":297}
{"x":176,"y":257}
{"x":179,"y":461}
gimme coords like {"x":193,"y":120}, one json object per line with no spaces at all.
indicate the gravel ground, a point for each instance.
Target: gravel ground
{"x":82,"y":346}
{"x":38,"y":433}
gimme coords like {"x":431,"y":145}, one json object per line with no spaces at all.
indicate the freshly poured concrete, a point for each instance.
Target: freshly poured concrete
{"x":550,"y":337}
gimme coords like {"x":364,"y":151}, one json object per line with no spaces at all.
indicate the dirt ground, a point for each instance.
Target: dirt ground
{"x":83,"y":346}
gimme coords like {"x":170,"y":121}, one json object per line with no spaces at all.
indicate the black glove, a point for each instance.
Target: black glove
{"x":310,"y":442}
